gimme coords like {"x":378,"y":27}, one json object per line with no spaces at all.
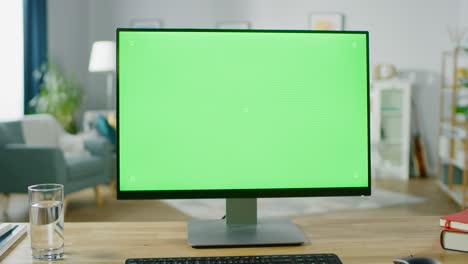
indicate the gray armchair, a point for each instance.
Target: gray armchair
{"x":23,"y":164}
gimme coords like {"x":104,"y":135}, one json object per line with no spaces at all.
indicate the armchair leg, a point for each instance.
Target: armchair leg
{"x":99,"y":197}
{"x":6,"y":202}
{"x":113,"y":188}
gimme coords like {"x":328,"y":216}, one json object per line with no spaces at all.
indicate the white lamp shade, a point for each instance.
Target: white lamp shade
{"x":102,"y":57}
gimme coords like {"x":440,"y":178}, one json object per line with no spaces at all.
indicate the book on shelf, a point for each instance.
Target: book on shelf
{"x":454,"y":240}
{"x":15,"y":232}
{"x":455,"y":222}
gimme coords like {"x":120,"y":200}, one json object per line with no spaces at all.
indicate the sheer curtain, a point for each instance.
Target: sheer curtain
{"x":11,"y":60}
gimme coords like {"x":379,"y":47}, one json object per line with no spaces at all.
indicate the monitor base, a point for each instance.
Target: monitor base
{"x":216,"y":233}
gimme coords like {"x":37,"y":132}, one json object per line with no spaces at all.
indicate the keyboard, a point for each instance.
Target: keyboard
{"x":261,"y":259}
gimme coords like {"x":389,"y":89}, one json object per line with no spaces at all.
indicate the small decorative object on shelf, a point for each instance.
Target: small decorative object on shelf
{"x":456,"y":35}
{"x":384,"y":72}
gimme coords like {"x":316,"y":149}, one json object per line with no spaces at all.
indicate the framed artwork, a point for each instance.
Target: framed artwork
{"x":326,"y":21}
{"x":233,"y":25}
{"x":146,"y":23}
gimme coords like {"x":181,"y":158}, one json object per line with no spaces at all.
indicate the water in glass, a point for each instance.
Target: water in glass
{"x":46,"y":229}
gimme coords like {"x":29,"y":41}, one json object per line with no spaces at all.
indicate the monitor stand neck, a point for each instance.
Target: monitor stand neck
{"x":241,"y":228}
{"x":241,"y":211}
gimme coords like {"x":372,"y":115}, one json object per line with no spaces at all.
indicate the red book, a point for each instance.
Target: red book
{"x":455,"y":222}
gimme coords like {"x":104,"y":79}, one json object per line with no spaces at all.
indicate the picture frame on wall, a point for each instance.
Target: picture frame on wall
{"x":326,"y":21}
{"x":233,"y":25}
{"x":146,"y":23}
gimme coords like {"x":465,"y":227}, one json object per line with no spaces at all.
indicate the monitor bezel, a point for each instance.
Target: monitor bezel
{"x":240,"y":193}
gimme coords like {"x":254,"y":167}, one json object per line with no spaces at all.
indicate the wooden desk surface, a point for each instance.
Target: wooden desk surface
{"x":356,"y":240}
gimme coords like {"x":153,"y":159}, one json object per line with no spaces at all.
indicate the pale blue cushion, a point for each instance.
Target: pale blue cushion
{"x":83,"y":166}
{"x":98,"y":146}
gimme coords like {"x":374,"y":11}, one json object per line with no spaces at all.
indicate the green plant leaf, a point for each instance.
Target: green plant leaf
{"x":59,"y":95}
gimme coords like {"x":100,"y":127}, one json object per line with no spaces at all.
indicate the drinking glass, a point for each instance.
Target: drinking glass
{"x":46,"y":221}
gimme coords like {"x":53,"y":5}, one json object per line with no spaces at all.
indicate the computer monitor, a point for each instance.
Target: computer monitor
{"x":242,"y":114}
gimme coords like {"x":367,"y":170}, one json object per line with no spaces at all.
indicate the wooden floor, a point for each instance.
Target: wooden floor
{"x":82,"y":206}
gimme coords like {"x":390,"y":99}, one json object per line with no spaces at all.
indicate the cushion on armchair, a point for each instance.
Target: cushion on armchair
{"x":98,"y":146}
{"x":105,"y":129}
{"x":112,"y":120}
{"x":45,"y":130}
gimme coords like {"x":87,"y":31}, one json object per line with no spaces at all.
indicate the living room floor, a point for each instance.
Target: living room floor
{"x":82,"y":206}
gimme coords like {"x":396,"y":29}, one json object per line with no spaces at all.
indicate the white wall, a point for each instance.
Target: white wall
{"x":11,"y":62}
{"x":405,"y":33}
{"x":463,"y":15}
{"x":67,"y":26}
{"x":463,"y":9}
{"x":408,"y":34}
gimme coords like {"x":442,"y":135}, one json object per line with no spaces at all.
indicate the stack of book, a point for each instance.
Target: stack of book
{"x":454,"y":235}
{"x":9,"y":234}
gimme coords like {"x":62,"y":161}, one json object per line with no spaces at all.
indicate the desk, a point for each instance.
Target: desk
{"x":355,"y":240}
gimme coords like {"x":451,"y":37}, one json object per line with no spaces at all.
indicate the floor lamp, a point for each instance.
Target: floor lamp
{"x":102,"y":59}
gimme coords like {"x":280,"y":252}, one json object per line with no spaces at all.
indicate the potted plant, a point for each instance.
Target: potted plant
{"x":58,"y":95}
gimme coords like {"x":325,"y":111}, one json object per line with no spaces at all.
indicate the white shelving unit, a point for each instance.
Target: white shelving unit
{"x":390,"y":127}
{"x":453,"y":145}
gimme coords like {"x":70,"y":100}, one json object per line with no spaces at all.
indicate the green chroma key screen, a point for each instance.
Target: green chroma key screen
{"x":242,"y":110}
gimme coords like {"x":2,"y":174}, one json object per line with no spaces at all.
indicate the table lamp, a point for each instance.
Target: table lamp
{"x":102,"y":59}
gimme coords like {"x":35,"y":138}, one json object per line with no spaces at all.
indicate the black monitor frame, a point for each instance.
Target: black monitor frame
{"x":244,"y":193}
